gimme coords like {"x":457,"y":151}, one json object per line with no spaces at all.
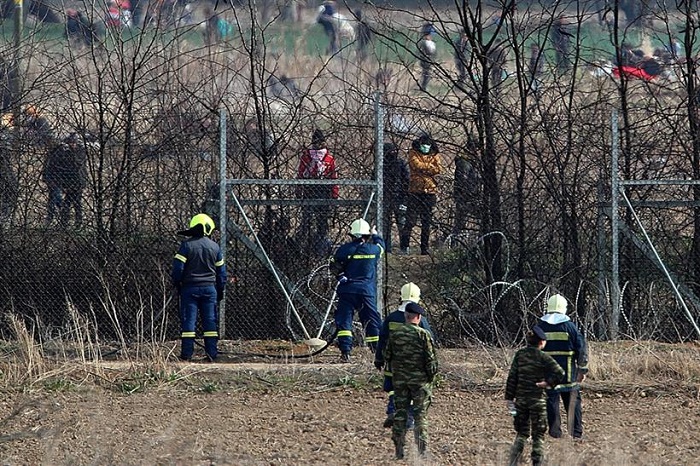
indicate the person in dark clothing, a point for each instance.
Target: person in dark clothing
{"x":536,"y":66}
{"x":530,"y":373}
{"x":65,"y":175}
{"x":561,"y":40}
{"x":79,"y":31}
{"x":284,"y":88}
{"x":410,"y":293}
{"x":497,"y":58}
{"x":9,"y":185}
{"x":396,"y":177}
{"x":364,"y":36}
{"x":38,"y":129}
{"x":568,"y":347}
{"x":467,"y":187}
{"x":355,"y":263}
{"x":199,"y":275}
{"x":461,"y":57}
{"x":424,"y":165}
{"x":325,"y":19}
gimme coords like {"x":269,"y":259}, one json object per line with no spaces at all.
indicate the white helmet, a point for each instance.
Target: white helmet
{"x":556,"y":303}
{"x":410,"y":292}
{"x":360,"y":228}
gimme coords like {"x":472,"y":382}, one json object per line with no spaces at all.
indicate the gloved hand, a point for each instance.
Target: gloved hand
{"x":378,"y":364}
{"x":580,"y":377}
{"x":342,"y":278}
{"x":373,"y":230}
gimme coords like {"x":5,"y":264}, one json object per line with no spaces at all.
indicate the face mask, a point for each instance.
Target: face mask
{"x":425,"y":148}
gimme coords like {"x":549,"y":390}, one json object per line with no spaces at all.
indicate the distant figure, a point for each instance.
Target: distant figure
{"x":536,"y":66}
{"x":461,"y":57}
{"x":561,"y":39}
{"x":467,"y":186}
{"x":382,"y":78}
{"x":38,"y":129}
{"x":497,"y":58}
{"x":395,"y":189}
{"x":325,"y":19}
{"x":118,"y":14}
{"x":9,"y":185}
{"x":364,"y":36}
{"x":212,"y":33}
{"x":258,"y":149}
{"x":65,"y":175}
{"x":427,"y":51}
{"x":79,"y":31}
{"x":283,"y":88}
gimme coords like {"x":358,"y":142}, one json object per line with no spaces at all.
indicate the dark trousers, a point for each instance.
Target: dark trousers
{"x":194,"y":300}
{"x":419,"y":205}
{"x":366,"y":306}
{"x":391,"y":214}
{"x":554,"y":414}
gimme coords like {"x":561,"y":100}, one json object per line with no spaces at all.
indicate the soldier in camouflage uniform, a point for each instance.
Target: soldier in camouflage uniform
{"x":410,"y":354}
{"x":530,"y":373}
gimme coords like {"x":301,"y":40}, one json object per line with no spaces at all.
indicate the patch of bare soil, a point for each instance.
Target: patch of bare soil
{"x":319,"y":413}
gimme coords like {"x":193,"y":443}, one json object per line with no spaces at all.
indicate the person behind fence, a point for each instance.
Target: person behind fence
{"x":9,"y":185}
{"x":424,"y":165}
{"x":79,"y":30}
{"x":199,"y":275}
{"x":396,"y":176}
{"x":410,"y":293}
{"x":414,"y":364}
{"x":461,"y":57}
{"x":427,"y":51}
{"x":364,"y":36}
{"x":561,"y":40}
{"x":65,"y":175}
{"x":568,"y":347}
{"x":466,"y":187}
{"x":326,"y":19}
{"x":355,"y":264}
{"x":530,"y":373}
{"x":317,"y":163}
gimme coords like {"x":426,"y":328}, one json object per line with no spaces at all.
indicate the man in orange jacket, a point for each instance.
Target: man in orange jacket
{"x":424,"y":165}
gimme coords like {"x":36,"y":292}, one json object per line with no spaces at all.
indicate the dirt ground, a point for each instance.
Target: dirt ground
{"x":316,"y":413}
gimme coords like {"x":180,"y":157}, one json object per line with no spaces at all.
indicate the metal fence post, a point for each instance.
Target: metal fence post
{"x":379,"y":170}
{"x":223,"y":221}
{"x":615,"y":199}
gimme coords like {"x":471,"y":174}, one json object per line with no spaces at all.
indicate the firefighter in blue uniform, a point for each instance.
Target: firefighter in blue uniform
{"x":568,"y":348}
{"x":356,"y":265}
{"x":199,"y":274}
{"x":410,"y":293}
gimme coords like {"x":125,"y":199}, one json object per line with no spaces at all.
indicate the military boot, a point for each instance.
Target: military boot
{"x":399,"y":444}
{"x":421,"y":444}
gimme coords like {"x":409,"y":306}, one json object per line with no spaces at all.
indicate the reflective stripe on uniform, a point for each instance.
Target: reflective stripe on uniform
{"x":557,"y":336}
{"x":373,"y":339}
{"x":219,"y":263}
{"x":388,"y":374}
{"x":391,"y":393}
{"x":211,"y":334}
{"x":569,"y":361}
{"x":395,"y":325}
{"x":567,"y":385}
{"x":344,"y":333}
{"x":187,"y":335}
{"x":560,"y":353}
{"x":362,"y":256}
{"x":180,"y":257}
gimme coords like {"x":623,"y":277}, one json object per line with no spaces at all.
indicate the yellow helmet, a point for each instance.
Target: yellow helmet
{"x":410,"y":292}
{"x":204,"y":220}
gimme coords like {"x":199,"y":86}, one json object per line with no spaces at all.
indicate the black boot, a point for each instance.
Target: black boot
{"x":399,"y":444}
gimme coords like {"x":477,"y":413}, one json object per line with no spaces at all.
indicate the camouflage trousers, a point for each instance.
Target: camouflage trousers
{"x":419,"y":396}
{"x":531,"y":419}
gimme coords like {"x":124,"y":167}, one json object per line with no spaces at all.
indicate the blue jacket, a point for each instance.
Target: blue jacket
{"x":357,"y":261}
{"x":394,"y":319}
{"x":199,"y":262}
{"x":567,"y":346}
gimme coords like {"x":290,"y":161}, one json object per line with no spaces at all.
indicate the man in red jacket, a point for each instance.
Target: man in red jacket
{"x":317,"y":163}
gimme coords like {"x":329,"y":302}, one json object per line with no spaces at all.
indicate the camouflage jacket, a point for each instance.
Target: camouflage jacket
{"x":531,"y":365}
{"x":411,"y":355}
